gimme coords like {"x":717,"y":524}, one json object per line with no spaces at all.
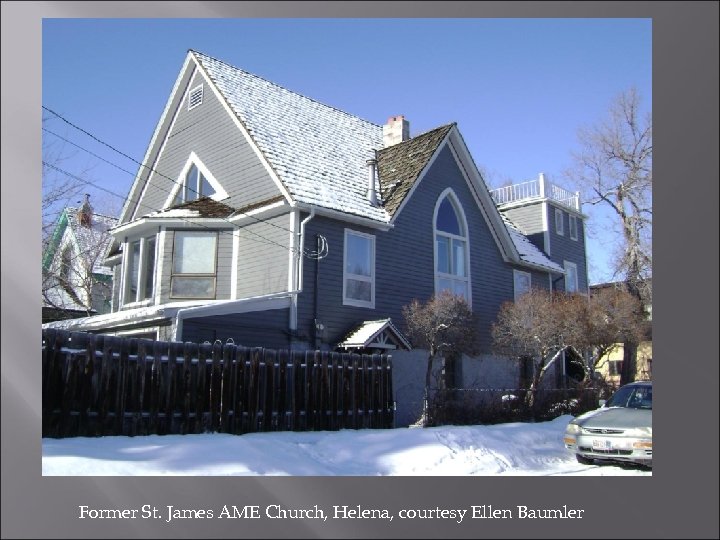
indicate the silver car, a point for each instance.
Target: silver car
{"x":620,"y":430}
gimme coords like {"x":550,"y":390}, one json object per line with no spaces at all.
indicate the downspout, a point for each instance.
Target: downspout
{"x":299,"y":281}
{"x":302,"y":248}
{"x":182,"y":313}
{"x":316,"y":293}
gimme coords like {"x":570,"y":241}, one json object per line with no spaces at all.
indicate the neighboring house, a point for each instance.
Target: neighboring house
{"x":264,"y":216}
{"x":76,"y":281}
{"x":610,"y":365}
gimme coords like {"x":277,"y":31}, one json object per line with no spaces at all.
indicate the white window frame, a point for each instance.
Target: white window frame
{"x":573,"y":227}
{"x":193,"y":159}
{"x":460,"y":213}
{"x":347,"y":275}
{"x":517,"y":274}
{"x":181,"y":275}
{"x":140,"y":296}
{"x":559,"y":222}
{"x":568,"y":265}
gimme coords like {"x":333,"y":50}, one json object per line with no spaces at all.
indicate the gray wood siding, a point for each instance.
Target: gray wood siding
{"x":566,"y":249}
{"x":264,"y":257}
{"x":527,"y":218}
{"x":257,"y":329}
{"x":405,"y":262}
{"x":209,"y":131}
{"x":529,"y":221}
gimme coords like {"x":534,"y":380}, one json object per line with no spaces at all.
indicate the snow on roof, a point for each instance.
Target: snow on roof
{"x":175,"y":212}
{"x":57,"y":297}
{"x":318,"y":152}
{"x":364,"y":334}
{"x":93,"y":241}
{"x":528,"y":252}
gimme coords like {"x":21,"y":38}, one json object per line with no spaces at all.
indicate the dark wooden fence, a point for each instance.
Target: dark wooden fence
{"x":96,"y":385}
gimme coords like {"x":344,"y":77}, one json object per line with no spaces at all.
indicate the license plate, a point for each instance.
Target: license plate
{"x":602,"y":444}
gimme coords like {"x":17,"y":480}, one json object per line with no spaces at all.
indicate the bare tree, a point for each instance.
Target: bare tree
{"x":614,"y":166}
{"x":539,"y":326}
{"x":542,"y":325}
{"x":445,"y":326}
{"x":613,"y":316}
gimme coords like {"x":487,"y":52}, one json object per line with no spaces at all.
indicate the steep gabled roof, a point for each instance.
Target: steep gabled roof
{"x":400,"y":165}
{"x":319,"y":153}
{"x":92,"y":242}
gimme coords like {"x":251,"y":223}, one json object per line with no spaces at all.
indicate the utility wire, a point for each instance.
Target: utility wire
{"x":151,"y":169}
{"x":262,"y":238}
{"x":307,"y":253}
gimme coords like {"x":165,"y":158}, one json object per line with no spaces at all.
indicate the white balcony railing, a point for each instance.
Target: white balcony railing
{"x":536,"y":189}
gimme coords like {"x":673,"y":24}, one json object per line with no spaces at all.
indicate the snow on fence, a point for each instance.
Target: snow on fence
{"x":96,"y":385}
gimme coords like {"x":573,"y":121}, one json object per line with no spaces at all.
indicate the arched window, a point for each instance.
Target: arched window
{"x":452,"y":269}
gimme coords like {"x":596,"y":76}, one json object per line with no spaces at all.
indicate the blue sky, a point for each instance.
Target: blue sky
{"x":518,"y":88}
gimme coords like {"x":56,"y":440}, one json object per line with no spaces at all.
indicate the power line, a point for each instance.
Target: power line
{"x":58,"y":115}
{"x":239,"y":229}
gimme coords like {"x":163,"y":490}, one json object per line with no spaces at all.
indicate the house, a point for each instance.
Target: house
{"x":263,"y":216}
{"x":76,"y":282}
{"x":610,"y":365}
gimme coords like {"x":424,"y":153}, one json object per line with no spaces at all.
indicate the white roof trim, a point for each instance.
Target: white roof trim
{"x":242,"y":129}
{"x":153,"y":140}
{"x":485,"y":202}
{"x":220,"y":192}
{"x":368,"y":331}
{"x":422,"y":174}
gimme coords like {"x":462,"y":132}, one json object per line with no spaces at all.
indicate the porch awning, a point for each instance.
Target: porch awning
{"x":380,"y":334}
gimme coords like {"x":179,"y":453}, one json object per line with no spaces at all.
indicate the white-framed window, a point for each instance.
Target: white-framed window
{"x":452,"y":268}
{"x":571,"y":277}
{"x":359,"y":269}
{"x":140,"y":269}
{"x":194,"y":268}
{"x":195,"y":97}
{"x":559,"y":228}
{"x":194,"y":182}
{"x":522,"y":282}
{"x":572,"y":226}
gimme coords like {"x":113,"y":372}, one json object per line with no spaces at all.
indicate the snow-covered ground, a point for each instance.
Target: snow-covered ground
{"x":506,"y":449}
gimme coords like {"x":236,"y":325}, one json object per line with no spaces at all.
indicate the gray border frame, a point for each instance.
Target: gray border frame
{"x":680,"y":500}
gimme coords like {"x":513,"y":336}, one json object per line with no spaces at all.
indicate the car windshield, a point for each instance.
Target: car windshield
{"x":636,"y":397}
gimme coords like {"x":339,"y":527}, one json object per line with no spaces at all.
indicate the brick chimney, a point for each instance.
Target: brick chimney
{"x":85,"y":213}
{"x":396,"y":130}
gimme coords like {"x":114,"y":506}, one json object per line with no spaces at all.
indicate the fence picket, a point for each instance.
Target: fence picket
{"x":96,"y":385}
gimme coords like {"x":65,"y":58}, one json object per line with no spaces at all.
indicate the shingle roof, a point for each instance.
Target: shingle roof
{"x":318,"y":152}
{"x":400,"y":165}
{"x":203,"y":207}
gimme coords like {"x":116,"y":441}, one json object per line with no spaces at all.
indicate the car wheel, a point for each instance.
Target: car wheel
{"x":583,"y":460}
